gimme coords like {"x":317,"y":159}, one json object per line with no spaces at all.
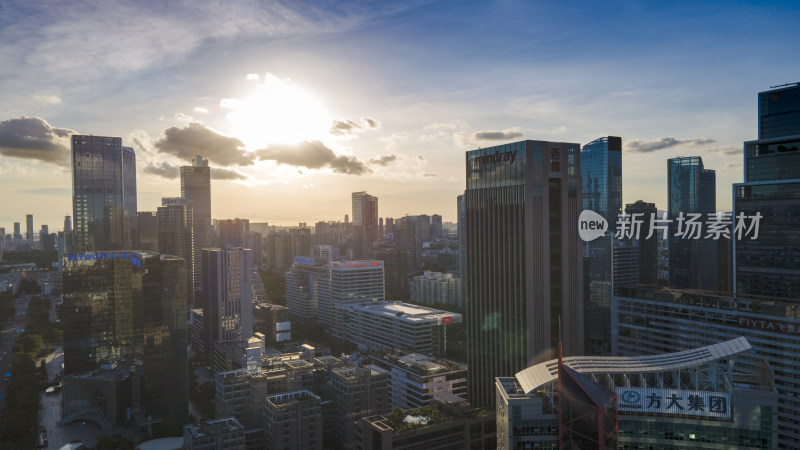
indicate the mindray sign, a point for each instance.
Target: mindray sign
{"x":495,"y":158}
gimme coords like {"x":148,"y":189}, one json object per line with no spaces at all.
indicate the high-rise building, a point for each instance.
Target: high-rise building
{"x":436,"y":226}
{"x":647,"y":248}
{"x":103,"y":194}
{"x":29,"y":228}
{"x":126,"y":310}
{"x":46,"y":240}
{"x":524,"y":259}
{"x":148,"y":231}
{"x":462,"y":246}
{"x":436,"y":288}
{"x":68,"y":244}
{"x":232,"y":232}
{"x":769,"y":264}
{"x":395,"y":269}
{"x":407,"y":237}
{"x":691,"y":190}
{"x":347,"y":282}
{"x":174,"y":225}
{"x":227,"y":297}
{"x":17,"y":235}
{"x":301,"y":289}
{"x":365,"y":224}
{"x":601,"y":173}
{"x":196,"y":189}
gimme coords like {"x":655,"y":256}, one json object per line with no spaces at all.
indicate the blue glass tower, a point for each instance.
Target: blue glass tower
{"x":770,"y":264}
{"x":691,"y":190}
{"x":601,"y":171}
{"x":103,"y":194}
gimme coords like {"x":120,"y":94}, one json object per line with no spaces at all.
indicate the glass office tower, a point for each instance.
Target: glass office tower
{"x":601,"y":170}
{"x":128,"y":309}
{"x":524,"y":259}
{"x":103,"y":194}
{"x":174,"y":225}
{"x":691,"y":190}
{"x":770,"y":264}
{"x":196,"y":189}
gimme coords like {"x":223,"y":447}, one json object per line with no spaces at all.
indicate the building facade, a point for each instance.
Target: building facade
{"x":418,"y":379}
{"x":227,"y":294}
{"x":601,"y":173}
{"x":128,"y":309}
{"x":196,"y":189}
{"x":174,"y":225}
{"x":434,"y":288}
{"x":103,"y":194}
{"x":293,"y":420}
{"x":218,"y":434}
{"x":365,"y":224}
{"x":770,"y":264}
{"x":653,"y":321}
{"x":348,"y":282}
{"x":381,"y":326}
{"x":524,"y":270}
{"x":690,"y":399}
{"x":358,"y":392}
{"x":691,"y":190}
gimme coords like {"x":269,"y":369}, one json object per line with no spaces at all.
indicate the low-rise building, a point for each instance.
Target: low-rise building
{"x":293,"y":420}
{"x":692,"y":399}
{"x":218,"y":434}
{"x":418,"y":379}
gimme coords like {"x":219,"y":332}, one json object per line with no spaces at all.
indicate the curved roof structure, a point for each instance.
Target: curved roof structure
{"x":533,"y":377}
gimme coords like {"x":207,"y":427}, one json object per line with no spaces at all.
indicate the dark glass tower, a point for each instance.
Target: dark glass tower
{"x":647,"y":249}
{"x":196,"y":189}
{"x":128,"y":309}
{"x":103,"y":194}
{"x":770,"y":264}
{"x":524,"y":259}
{"x":601,"y":171}
{"x":691,"y":190}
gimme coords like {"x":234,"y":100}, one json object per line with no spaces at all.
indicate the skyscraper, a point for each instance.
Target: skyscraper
{"x":647,"y":249}
{"x":29,"y":228}
{"x":128,"y":309}
{"x":196,"y":189}
{"x":174,"y":225}
{"x":770,"y":264}
{"x":691,"y":190}
{"x":601,"y":171}
{"x":147,"y":231}
{"x":103,"y":194}
{"x":228,"y":296}
{"x":17,"y":235}
{"x":365,"y":223}
{"x":524,"y":258}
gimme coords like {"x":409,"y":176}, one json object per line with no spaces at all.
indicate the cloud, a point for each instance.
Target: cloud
{"x":727,"y":150}
{"x":162,"y":169}
{"x":496,"y":135}
{"x":183,"y":117}
{"x":350,"y":129}
{"x":252,"y":77}
{"x":197,"y":139}
{"x":640,"y":146}
{"x":218,"y":173}
{"x":384,"y":160}
{"x":429,"y":175}
{"x":34,"y":138}
{"x":313,"y":155}
{"x":58,"y":192}
{"x":465,"y":139}
{"x":200,"y":110}
{"x":48,"y":99}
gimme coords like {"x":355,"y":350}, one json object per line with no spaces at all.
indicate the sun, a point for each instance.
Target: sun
{"x":277,"y":111}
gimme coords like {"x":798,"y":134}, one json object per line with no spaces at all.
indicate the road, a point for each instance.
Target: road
{"x":7,"y":339}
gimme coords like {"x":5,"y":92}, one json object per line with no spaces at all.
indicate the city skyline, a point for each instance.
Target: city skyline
{"x":389,"y":97}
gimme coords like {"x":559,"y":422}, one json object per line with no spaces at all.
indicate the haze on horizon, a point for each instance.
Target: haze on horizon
{"x":296,"y":106}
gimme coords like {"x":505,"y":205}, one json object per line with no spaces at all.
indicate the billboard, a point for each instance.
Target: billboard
{"x":674,"y":402}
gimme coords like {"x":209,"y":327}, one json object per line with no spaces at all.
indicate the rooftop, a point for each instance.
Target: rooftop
{"x":407,"y":312}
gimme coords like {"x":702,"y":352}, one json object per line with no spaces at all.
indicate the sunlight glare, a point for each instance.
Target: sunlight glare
{"x":276,"y":112}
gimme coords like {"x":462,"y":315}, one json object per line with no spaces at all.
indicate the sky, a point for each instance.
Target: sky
{"x":299,"y":104}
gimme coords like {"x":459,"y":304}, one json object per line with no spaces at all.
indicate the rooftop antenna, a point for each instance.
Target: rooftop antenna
{"x":784,"y":85}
